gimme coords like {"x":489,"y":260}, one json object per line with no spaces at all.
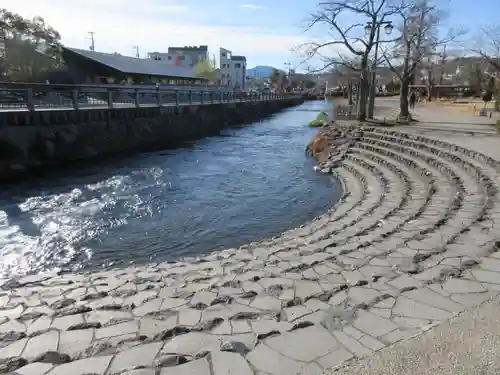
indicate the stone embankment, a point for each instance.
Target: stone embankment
{"x":412,"y":242}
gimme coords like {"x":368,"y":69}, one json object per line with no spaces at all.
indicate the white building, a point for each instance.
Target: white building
{"x":232,"y":69}
{"x":187,"y":56}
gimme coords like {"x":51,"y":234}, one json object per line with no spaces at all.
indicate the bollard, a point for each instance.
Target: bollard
{"x":158,"y":96}
{"x":110,"y":99}
{"x":136,"y":98}
{"x":74,"y":99}
{"x":29,"y":100}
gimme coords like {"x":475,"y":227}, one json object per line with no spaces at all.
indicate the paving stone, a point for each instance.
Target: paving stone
{"x":192,"y":343}
{"x":36,"y":368}
{"x":240,"y":326}
{"x":304,"y":344}
{"x":197,"y":367}
{"x":10,"y":364}
{"x":372,"y":324}
{"x":371,"y":343}
{"x":12,"y":326}
{"x":305,"y":289}
{"x":472,"y":299}
{"x":338,"y":298}
{"x":148,"y":307}
{"x":295,"y":312}
{"x":13,"y":350}
{"x":106,"y":316}
{"x":490,"y":264}
{"x":40,"y":344}
{"x":459,"y":286}
{"x":266,"y":360}
{"x":138,"y":356}
{"x":204,"y":297}
{"x":335,"y":358}
{"x":151,"y":327}
{"x":486,"y":276}
{"x":117,"y":330}
{"x":93,"y":365}
{"x":414,"y":309}
{"x":63,"y":323}
{"x":74,"y":342}
{"x":225,"y":363}
{"x":264,"y":302}
{"x":362,"y":295}
{"x":430,"y":298}
{"x":352,"y":345}
{"x":311,"y":369}
{"x":264,"y":326}
{"x":144,"y":371}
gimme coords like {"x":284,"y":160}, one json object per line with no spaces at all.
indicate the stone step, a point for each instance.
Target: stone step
{"x":412,"y":242}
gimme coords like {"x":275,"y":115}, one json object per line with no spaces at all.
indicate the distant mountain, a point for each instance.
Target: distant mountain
{"x":260,"y":71}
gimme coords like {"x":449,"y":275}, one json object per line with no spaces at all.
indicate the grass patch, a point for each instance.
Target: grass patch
{"x":321,"y":119}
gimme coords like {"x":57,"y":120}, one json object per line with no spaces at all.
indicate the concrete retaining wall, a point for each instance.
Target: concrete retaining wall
{"x":45,"y":139}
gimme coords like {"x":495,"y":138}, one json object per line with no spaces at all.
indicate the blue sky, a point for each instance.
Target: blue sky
{"x":264,"y":31}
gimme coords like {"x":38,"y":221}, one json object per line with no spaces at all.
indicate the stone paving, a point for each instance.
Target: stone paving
{"x":412,"y":243}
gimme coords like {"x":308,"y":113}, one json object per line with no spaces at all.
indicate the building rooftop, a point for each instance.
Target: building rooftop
{"x":133,"y":65}
{"x":189,"y":48}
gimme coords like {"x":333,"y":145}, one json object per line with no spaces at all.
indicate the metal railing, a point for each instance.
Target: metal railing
{"x":46,"y":96}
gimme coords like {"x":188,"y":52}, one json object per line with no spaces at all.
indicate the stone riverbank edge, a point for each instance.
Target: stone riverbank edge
{"x":411,"y":244}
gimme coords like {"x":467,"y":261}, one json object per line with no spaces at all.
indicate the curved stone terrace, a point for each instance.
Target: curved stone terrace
{"x":412,"y":243}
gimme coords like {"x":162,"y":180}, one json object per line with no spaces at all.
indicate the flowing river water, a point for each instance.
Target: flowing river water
{"x":246,"y":184}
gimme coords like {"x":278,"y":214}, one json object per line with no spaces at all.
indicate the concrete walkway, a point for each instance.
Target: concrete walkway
{"x":466,"y":345}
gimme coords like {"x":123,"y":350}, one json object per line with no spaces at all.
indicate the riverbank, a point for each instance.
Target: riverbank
{"x":32,"y":143}
{"x":412,"y":243}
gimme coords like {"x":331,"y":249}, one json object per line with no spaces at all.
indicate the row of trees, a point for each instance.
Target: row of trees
{"x":30,"y":47}
{"x":417,"y":42}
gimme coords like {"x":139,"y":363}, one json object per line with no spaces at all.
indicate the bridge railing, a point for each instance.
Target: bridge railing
{"x":45,"y":96}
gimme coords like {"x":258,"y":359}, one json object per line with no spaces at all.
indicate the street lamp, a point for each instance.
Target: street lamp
{"x":388,"y":27}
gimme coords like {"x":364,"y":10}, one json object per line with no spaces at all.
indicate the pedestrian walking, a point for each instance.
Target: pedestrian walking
{"x":413,"y":99}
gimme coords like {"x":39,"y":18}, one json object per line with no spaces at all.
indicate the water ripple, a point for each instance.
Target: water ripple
{"x":248,"y":183}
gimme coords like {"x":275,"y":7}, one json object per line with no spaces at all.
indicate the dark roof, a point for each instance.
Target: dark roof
{"x":133,"y":65}
{"x":189,"y":48}
{"x":238,"y":58}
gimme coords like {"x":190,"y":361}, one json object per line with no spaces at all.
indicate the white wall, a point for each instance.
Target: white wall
{"x":232,"y":72}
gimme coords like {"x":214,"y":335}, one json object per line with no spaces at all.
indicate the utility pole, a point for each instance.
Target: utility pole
{"x":136,"y":48}
{"x":92,"y":40}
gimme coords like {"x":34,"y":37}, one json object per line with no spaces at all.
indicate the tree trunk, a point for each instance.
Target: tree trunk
{"x":363,"y":91}
{"x":429,"y":84}
{"x":349,"y":92}
{"x":404,"y":112}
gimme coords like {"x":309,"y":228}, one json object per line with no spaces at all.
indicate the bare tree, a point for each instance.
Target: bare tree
{"x":489,"y":46}
{"x":353,"y":47}
{"x":418,"y":45}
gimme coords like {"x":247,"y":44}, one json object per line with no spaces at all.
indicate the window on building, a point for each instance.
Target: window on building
{"x":170,"y":57}
{"x":223,"y":54}
{"x":237,"y":65}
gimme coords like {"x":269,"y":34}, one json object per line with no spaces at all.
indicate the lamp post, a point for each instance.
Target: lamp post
{"x":373,"y":92}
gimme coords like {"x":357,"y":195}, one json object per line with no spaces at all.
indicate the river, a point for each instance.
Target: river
{"x":249,"y":183}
